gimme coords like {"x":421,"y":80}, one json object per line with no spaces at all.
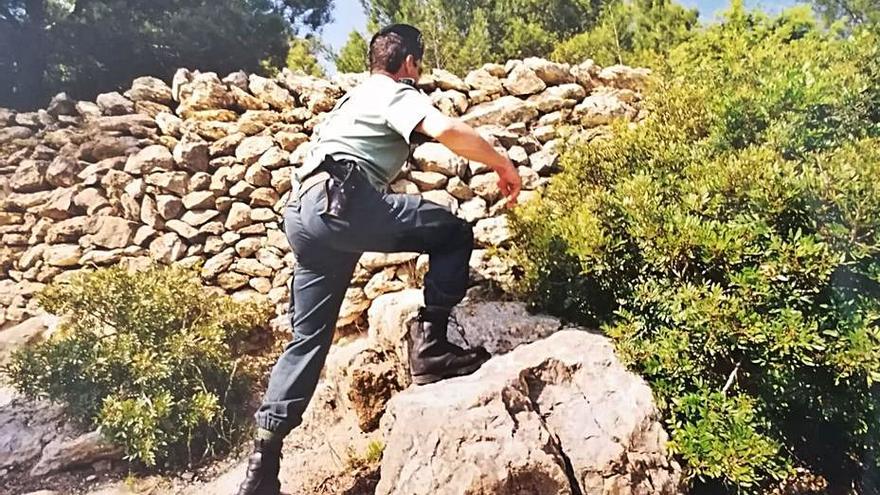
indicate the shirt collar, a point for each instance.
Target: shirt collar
{"x":382,"y":77}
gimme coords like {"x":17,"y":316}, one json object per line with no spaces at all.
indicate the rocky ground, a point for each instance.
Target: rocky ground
{"x":553,"y":412}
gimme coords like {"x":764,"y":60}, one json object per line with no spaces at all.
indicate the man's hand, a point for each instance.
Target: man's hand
{"x":509,"y":182}
{"x":464,"y":141}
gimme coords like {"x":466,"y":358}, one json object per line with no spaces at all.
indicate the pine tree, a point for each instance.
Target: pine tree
{"x":352,"y":56}
{"x":476,"y":48}
{"x":301,"y":57}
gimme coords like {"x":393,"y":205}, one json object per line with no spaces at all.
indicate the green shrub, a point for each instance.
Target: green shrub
{"x":730,"y":245}
{"x":152,"y":358}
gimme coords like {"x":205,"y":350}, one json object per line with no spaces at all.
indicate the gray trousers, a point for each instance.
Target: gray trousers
{"x":327,"y":249}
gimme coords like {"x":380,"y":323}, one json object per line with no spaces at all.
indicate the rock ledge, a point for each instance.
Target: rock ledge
{"x":558,"y":416}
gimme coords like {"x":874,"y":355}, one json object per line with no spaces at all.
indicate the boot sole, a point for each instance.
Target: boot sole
{"x":428,"y":378}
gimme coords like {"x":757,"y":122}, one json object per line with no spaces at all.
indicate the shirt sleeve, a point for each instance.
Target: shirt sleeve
{"x":407,"y":108}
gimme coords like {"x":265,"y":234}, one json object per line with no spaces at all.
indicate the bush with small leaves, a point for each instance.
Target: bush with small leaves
{"x":152,"y":357}
{"x":730,"y":245}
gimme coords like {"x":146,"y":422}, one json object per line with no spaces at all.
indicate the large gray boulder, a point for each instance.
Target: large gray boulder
{"x":203,"y":91}
{"x":602,"y":107}
{"x":498,"y":326}
{"x":503,"y":111}
{"x":558,"y":97}
{"x":623,"y":77}
{"x":434,"y":157}
{"x":65,"y":453}
{"x":558,"y":416}
{"x":25,"y":427}
{"x":318,"y":95}
{"x":27,"y":332}
{"x":150,"y":89}
{"x":551,"y":73}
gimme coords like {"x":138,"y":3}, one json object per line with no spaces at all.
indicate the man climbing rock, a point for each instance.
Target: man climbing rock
{"x":339,"y":209}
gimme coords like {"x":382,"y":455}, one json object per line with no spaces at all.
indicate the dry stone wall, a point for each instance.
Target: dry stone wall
{"x":196,"y":172}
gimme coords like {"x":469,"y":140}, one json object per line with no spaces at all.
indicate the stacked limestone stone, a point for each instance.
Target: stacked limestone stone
{"x":198,"y":171}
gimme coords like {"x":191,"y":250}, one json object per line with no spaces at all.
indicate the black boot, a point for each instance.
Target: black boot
{"x":431,"y":356}
{"x":262,"y":471}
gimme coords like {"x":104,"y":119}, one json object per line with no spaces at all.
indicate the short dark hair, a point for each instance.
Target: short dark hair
{"x":390,"y":46}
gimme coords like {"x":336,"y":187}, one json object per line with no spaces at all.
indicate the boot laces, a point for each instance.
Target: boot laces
{"x":459,"y":328}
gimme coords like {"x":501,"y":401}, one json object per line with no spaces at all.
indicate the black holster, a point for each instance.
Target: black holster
{"x":340,"y":186}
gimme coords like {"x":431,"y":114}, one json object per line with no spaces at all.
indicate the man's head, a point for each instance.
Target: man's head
{"x":397,"y":50}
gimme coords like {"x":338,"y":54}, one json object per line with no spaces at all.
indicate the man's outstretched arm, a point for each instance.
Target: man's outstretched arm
{"x":464,"y":141}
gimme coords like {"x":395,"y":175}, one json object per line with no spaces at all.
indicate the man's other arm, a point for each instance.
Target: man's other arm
{"x":464,"y":141}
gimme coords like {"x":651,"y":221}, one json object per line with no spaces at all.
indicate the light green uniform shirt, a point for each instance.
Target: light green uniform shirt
{"x":372,"y":125}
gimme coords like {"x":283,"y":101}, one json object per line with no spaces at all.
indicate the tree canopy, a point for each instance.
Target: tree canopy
{"x":302,"y":56}
{"x":630,"y":32}
{"x":352,"y":56}
{"x":85,"y":47}
{"x":464,"y":34}
{"x":852,"y":12}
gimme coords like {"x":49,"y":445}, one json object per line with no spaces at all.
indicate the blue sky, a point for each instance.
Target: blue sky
{"x":349,"y":15}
